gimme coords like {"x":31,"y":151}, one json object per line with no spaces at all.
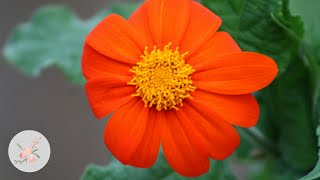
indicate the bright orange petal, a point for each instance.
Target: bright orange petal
{"x":125,"y":130}
{"x":236,"y":73}
{"x":202,"y":25}
{"x":240,"y":110}
{"x":147,"y":151}
{"x":212,"y":137}
{"x":105,"y":95}
{"x":219,"y":44}
{"x":168,"y":20}
{"x":96,"y":65}
{"x":139,"y":21}
{"x":115,"y":37}
{"x":178,"y":150}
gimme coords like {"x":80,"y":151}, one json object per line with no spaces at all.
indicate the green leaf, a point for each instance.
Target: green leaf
{"x":36,"y":155}
{"x":269,"y":168}
{"x":54,"y":36}
{"x":261,"y":26}
{"x":290,"y":104}
{"x":309,"y":12}
{"x":315,"y":173}
{"x":161,"y":170}
{"x":311,"y":47}
{"x":35,"y":150}
{"x":268,"y":27}
{"x":20,"y":147}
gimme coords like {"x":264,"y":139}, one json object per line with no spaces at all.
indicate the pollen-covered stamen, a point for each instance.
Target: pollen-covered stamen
{"x":162,"y":78}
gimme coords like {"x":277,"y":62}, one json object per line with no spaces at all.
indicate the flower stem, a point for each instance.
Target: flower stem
{"x":255,"y":136}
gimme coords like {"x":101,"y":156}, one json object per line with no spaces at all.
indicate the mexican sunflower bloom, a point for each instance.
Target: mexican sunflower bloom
{"x":172,"y":80}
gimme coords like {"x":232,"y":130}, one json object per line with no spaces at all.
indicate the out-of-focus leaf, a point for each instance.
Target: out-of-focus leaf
{"x":315,"y":173}
{"x":54,"y":36}
{"x":269,"y":28}
{"x":269,"y":168}
{"x":291,"y":104}
{"x":309,"y":12}
{"x":20,"y":147}
{"x":230,"y":11}
{"x":254,"y":24}
{"x":161,"y":170}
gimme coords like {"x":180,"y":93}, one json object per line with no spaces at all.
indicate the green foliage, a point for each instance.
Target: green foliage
{"x":289,"y":105}
{"x":315,"y":173}
{"x":269,"y":168}
{"x":290,"y":101}
{"x":308,"y":10}
{"x":54,"y":36}
{"x":253,"y":25}
{"x":161,"y":170}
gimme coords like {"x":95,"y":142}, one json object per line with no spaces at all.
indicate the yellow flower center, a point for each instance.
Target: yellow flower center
{"x":162,"y":78}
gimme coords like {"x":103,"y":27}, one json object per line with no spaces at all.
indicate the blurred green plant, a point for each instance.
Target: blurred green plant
{"x":161,"y":170}
{"x":252,"y":24}
{"x":54,"y":36}
{"x":284,"y":144}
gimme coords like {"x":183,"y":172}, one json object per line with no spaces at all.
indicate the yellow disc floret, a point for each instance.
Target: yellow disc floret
{"x":162,"y":78}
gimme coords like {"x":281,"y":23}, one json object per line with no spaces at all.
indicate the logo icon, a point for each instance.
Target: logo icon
{"x":29,"y":151}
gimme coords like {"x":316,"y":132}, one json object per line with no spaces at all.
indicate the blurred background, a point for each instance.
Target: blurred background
{"x":48,"y":104}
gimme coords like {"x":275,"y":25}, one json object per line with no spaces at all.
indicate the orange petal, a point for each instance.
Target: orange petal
{"x":115,"y":37}
{"x":147,"y":151}
{"x":96,"y":65}
{"x":108,"y":94}
{"x":202,"y":25}
{"x":168,"y":20}
{"x":241,"y":110}
{"x":178,"y":150}
{"x":139,"y":21}
{"x":236,"y":73}
{"x":125,"y":130}
{"x":219,"y":44}
{"x":212,"y":137}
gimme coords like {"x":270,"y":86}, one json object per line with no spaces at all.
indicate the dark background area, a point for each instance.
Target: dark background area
{"x":48,"y":104}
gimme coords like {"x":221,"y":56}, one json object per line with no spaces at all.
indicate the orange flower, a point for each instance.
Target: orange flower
{"x":171,"y":79}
